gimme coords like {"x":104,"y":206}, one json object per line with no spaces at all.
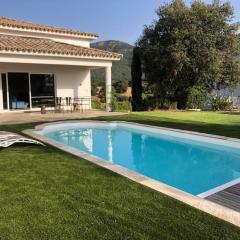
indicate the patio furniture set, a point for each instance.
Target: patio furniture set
{"x":67,"y":104}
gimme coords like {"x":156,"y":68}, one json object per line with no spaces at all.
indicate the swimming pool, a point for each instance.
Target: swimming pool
{"x":190,"y":162}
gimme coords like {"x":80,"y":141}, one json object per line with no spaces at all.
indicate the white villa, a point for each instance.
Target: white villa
{"x":39,"y":64}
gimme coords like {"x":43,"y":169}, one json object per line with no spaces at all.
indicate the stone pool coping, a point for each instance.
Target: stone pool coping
{"x":205,"y":205}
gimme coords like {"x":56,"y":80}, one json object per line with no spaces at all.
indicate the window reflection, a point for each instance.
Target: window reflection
{"x":42,"y":90}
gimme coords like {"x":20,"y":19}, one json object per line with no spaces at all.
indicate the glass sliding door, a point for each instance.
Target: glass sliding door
{"x":18,"y":88}
{"x":42,"y":90}
{"x":24,"y":90}
{"x":4,"y":91}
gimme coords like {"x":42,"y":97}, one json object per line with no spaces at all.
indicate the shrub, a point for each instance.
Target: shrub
{"x":173,"y":106}
{"x":219,"y":103}
{"x":96,"y":104}
{"x":102,"y":94}
{"x":117,"y":106}
{"x":114,"y":101}
{"x":124,"y":106}
{"x":121,"y":98}
{"x":121,"y":86}
{"x":94,"y":89}
{"x":197,"y":98}
{"x":152,"y":103}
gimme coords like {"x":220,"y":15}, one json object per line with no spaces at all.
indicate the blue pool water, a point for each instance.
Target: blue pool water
{"x":190,"y":165}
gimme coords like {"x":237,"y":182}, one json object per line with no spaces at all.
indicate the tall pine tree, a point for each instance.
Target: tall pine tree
{"x":136,"y":71}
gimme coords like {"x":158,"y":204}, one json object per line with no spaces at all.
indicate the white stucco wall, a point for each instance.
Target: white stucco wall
{"x":73,"y":83}
{"x":77,"y":42}
{"x":70,"y":81}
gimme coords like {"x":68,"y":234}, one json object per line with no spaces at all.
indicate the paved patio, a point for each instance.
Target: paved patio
{"x":25,"y":117}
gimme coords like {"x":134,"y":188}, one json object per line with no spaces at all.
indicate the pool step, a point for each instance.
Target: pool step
{"x":229,"y":197}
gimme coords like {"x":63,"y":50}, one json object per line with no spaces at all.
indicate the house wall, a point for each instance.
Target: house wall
{"x":70,"y":81}
{"x":73,"y":83}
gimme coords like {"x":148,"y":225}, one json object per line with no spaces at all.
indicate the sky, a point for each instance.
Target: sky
{"x":113,"y":19}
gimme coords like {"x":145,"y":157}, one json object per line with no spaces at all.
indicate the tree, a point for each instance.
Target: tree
{"x":93,"y":89}
{"x":136,"y":71}
{"x":102,"y":93}
{"x":196,"y":46}
{"x":121,"y":86}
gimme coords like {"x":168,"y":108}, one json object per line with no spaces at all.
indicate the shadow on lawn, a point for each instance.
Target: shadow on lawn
{"x":231,"y":113}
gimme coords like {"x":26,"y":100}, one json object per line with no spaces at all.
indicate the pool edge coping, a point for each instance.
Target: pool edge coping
{"x":219,"y":188}
{"x":198,"y":202}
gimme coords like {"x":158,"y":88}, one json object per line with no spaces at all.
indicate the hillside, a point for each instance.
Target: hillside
{"x":121,"y":70}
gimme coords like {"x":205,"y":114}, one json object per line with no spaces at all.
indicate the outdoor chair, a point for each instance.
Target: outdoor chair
{"x":69,"y":104}
{"x":59,"y":104}
{"x":81,"y":104}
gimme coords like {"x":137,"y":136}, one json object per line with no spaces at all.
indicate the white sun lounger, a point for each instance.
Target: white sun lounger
{"x":7,"y":139}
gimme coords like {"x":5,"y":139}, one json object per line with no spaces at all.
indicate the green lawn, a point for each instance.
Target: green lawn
{"x":220,"y":123}
{"x":48,"y":194}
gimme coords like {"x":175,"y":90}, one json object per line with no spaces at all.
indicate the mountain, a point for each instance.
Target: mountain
{"x":121,"y":70}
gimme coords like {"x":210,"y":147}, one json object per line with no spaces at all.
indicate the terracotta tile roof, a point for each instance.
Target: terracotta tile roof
{"x":46,"y":46}
{"x":8,"y":22}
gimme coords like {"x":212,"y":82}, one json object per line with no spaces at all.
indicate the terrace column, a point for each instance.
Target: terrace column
{"x":108,"y":82}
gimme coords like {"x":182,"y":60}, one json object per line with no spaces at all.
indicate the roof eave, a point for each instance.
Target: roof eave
{"x":88,"y":36}
{"x":24,"y":53}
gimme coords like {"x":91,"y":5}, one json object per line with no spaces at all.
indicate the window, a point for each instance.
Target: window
{"x":42,"y":90}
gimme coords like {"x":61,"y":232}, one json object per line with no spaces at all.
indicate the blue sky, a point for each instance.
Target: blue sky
{"x":112,"y":19}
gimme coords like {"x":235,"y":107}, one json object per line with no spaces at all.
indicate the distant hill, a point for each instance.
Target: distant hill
{"x":121,"y":70}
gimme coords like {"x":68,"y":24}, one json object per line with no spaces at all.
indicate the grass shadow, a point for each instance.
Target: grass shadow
{"x":231,"y":113}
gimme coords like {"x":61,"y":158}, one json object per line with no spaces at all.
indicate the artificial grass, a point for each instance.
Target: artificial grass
{"x":48,"y":194}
